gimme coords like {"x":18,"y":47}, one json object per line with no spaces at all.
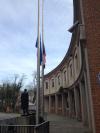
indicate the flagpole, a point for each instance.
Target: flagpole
{"x":38,"y":67}
{"x":42,"y":111}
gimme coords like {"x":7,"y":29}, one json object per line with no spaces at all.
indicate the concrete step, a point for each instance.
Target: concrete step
{"x":67,"y":128}
{"x":59,"y":124}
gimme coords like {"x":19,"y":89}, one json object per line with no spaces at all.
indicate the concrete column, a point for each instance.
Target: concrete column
{"x":70,"y":103}
{"x":83,"y":103}
{"x":77,"y":104}
{"x":63,"y":104}
{"x":88,"y":103}
{"x":79,"y":56}
{"x":46,"y":103}
{"x":49,"y":104}
{"x":56,"y":103}
{"x":53,"y":103}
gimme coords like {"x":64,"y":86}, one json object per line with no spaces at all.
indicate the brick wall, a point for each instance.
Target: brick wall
{"x":92,"y":24}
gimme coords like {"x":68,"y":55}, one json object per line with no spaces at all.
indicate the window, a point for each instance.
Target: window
{"x":65,"y":76}
{"x":59,"y":80}
{"x":76,"y":62}
{"x":46,"y":84}
{"x":70,"y":70}
{"x":52,"y":82}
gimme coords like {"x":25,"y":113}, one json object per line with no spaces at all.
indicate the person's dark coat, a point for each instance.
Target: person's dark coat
{"x":24,"y":100}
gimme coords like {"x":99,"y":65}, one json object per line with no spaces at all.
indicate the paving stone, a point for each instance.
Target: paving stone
{"x":60,"y":124}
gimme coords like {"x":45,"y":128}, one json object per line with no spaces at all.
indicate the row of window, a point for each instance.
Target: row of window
{"x":72,"y":65}
{"x":53,"y":83}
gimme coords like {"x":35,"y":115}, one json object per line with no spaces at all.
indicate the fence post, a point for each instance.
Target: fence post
{"x":0,"y":129}
{"x":35,"y":130}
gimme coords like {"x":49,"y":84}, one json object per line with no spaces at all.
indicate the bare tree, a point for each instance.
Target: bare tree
{"x":9,"y":92}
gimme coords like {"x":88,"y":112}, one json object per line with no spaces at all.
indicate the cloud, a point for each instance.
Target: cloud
{"x":58,"y":19}
{"x":18,"y":33}
{"x":17,"y":51}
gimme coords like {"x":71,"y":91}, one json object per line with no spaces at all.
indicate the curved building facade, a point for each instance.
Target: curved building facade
{"x":71,"y":89}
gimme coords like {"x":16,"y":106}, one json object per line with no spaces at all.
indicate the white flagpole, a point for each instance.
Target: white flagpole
{"x":38,"y":67}
{"x":42,"y":111}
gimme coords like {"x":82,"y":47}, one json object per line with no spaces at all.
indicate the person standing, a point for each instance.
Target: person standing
{"x":25,"y":102}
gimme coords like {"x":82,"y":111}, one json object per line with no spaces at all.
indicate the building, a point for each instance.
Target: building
{"x":73,"y":87}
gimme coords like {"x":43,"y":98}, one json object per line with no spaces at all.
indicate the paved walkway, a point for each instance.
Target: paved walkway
{"x":59,"y":124}
{"x":8,"y":115}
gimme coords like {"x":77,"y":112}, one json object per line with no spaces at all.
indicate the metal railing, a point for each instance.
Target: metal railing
{"x":40,"y":128}
{"x":17,"y":129}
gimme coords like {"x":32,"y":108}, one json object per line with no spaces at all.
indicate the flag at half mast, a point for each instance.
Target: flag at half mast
{"x":36,"y":45}
{"x":44,"y":54}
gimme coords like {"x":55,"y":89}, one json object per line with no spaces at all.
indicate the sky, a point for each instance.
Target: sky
{"x":18,"y":34}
